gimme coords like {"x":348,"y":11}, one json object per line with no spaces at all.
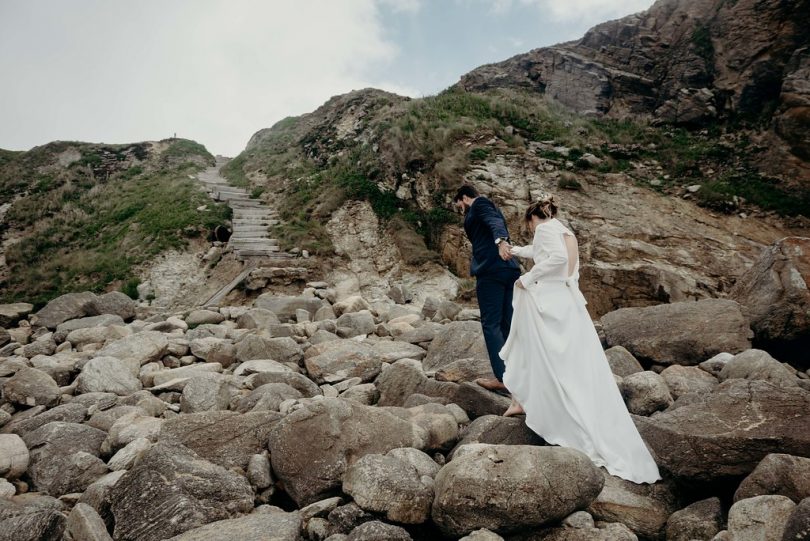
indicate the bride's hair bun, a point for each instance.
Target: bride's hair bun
{"x":544,"y":207}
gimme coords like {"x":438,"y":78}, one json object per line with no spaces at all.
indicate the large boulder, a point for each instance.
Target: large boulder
{"x":775,"y":297}
{"x":33,"y":418}
{"x":407,"y":377}
{"x":171,"y":490}
{"x":311,"y":448}
{"x":272,"y":525}
{"x":63,"y":308}
{"x":644,"y":508}
{"x":115,"y":303}
{"x":14,"y":456}
{"x":797,"y":527}
{"x":64,"y":457}
{"x":645,"y":393}
{"x":31,"y":387}
{"x":758,"y":364}
{"x":214,"y":350}
{"x":684,"y":333}
{"x":109,"y":375}
{"x":385,"y":484}
{"x":496,"y":429}
{"x":700,"y":520}
{"x":342,"y":359}
{"x":511,"y":487}
{"x":208,"y":391}
{"x":760,"y":518}
{"x":255,"y":346}
{"x":140,"y":348}
{"x":622,"y":363}
{"x":257,"y":318}
{"x":85,"y":523}
{"x":458,"y":340}
{"x":778,"y":473}
{"x":11,"y":313}
{"x":225,"y":438}
{"x":31,"y":522}
{"x":726,"y":432}
{"x":682,"y":380}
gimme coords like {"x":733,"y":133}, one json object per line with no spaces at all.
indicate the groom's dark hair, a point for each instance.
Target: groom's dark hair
{"x":467,"y":190}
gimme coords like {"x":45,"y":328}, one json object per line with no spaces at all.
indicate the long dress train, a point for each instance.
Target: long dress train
{"x":556,"y":368}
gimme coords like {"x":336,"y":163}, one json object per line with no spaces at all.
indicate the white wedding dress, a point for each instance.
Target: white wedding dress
{"x":556,"y":368}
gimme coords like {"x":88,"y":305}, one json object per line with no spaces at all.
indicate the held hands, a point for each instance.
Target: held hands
{"x":519,"y":284}
{"x":505,"y":251}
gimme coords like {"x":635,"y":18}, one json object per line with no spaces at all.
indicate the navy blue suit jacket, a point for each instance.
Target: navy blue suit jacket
{"x":483,"y":224}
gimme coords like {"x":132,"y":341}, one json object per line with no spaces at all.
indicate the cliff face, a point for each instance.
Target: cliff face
{"x":679,"y":62}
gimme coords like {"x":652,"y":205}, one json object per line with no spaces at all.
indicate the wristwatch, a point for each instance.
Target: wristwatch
{"x":499,"y":240}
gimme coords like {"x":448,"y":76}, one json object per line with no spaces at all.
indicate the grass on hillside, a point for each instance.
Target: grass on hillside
{"x":86,"y":235}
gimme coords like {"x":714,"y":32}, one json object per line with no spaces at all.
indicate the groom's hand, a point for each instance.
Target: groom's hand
{"x":505,"y":251}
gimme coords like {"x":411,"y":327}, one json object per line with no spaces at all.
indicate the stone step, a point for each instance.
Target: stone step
{"x":252,"y":242}
{"x":244,"y":228}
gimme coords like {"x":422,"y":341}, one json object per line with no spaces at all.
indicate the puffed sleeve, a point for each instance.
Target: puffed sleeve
{"x":556,"y":264}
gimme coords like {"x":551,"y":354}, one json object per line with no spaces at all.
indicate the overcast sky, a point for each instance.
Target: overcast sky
{"x":217,"y":71}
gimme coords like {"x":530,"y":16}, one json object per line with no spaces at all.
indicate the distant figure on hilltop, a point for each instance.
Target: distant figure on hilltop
{"x":495,"y":274}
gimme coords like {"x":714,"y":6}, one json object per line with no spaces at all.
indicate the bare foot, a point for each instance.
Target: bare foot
{"x":491,"y":384}
{"x":514,"y":409}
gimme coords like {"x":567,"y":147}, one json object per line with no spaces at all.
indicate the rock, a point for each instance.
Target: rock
{"x":458,"y":340}
{"x":715,"y":365}
{"x":406,"y":377}
{"x":63,"y":308}
{"x":104,"y":320}
{"x":400,"y":294}
{"x":31,"y":387}
{"x":353,"y":324}
{"x":760,"y":517}
{"x":757,"y":364}
{"x":726,"y":432}
{"x":297,"y":381}
{"x":258,"y":471}
{"x":679,"y":333}
{"x":42,"y":346}
{"x":464,"y":370}
{"x":646,"y":393}
{"x":64,"y":457}
{"x":394,"y":350}
{"x":311,"y":448}
{"x":19,"y":522}
{"x":424,"y":465}
{"x":700,"y":520}
{"x":284,"y":307}
{"x":5,"y":338}
{"x":200,"y":317}
{"x":511,"y":487}
{"x":96,"y":335}
{"x":350,"y":305}
{"x":115,"y":303}
{"x":477,"y":401}
{"x":336,"y":360}
{"x":283,"y":350}
{"x":274,"y":525}
{"x":14,"y":456}
{"x":375,"y":531}
{"x":214,"y":350}
{"x":7,"y":490}
{"x":22,"y":423}
{"x":365,"y":393}
{"x":172,"y":490}
{"x":430,"y":307}
{"x":482,"y":535}
{"x":98,"y":493}
{"x":496,"y":429}
{"x":687,"y":379}
{"x":164,"y":377}
{"x":140,"y":348}
{"x":267,"y":397}
{"x":225,"y":438}
{"x":109,"y":375}
{"x":622,"y":363}
{"x":207,"y":392}
{"x":257,"y":318}
{"x":85,"y":523}
{"x":643,"y":508}
{"x":385,"y":484}
{"x":207,"y":331}
{"x":129,"y":428}
{"x":798,"y":523}
{"x":776,"y":299}
{"x":780,"y":474}
{"x":126,"y":456}
{"x":11,"y":313}
{"x":439,"y":422}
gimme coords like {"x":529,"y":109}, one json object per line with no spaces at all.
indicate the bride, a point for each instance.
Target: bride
{"x":555,"y":367}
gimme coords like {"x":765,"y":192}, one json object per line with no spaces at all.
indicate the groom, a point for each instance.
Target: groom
{"x":495,"y":273}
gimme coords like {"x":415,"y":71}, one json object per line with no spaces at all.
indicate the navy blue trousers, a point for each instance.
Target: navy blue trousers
{"x":494,"y":291}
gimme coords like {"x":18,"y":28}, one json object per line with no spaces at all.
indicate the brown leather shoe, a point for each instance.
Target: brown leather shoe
{"x":491,"y":384}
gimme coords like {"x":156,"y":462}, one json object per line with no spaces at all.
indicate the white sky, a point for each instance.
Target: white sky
{"x":216,"y":71}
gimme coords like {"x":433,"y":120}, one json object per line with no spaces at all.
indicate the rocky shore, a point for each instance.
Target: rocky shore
{"x":310,"y":417}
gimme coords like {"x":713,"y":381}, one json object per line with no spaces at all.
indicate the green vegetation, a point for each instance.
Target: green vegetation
{"x":86,"y":234}
{"x":702,"y":41}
